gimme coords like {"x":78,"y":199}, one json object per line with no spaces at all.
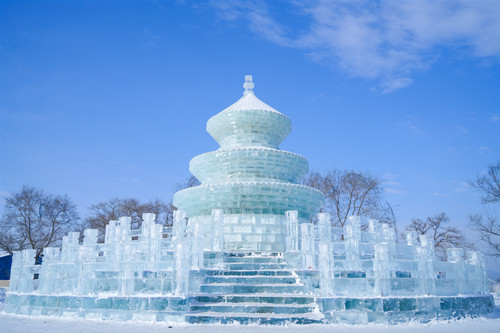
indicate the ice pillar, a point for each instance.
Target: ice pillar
{"x":456,"y":256}
{"x":197,"y":248}
{"x":217,"y":229}
{"x":352,"y":240}
{"x":292,"y":230}
{"x":307,"y":245}
{"x":425,"y":256}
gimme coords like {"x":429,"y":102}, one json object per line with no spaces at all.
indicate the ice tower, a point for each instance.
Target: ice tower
{"x":247,"y":246}
{"x":249,"y":177}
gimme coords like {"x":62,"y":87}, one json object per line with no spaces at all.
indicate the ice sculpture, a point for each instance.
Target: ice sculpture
{"x":243,"y":248}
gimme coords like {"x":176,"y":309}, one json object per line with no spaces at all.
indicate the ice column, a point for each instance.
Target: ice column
{"x":324,"y":228}
{"x":382,"y":267}
{"x":292,"y":230}
{"x":307,"y":245}
{"x":151,"y":235}
{"x":179,"y":229}
{"x":217,"y":229}
{"x":182,"y":263}
{"x":325,"y":269}
{"x":352,"y":241}
{"x":411,"y":238}
{"x":476,"y":258}
{"x":384,"y":252}
{"x":425,"y":256}
{"x":197,"y":246}
{"x":456,"y":256}
{"x":16,"y":271}
{"x":70,"y":248}
{"x":87,"y":252}
{"x":48,"y":275}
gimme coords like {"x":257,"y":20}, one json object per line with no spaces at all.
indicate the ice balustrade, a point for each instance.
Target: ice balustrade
{"x":352,"y":262}
{"x":158,"y":260}
{"x":154,"y":259}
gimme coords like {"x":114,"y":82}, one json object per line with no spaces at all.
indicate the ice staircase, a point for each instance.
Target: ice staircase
{"x":253,"y":288}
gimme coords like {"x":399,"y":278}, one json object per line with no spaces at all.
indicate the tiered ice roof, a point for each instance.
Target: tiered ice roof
{"x":248,"y":174}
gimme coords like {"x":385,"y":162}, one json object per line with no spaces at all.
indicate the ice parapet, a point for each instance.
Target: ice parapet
{"x":243,"y":249}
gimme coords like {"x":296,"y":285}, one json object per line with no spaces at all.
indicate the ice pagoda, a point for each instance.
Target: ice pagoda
{"x":248,"y":246}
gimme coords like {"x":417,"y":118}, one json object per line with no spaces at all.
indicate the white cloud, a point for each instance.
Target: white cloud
{"x":391,"y":190}
{"x":256,"y":14}
{"x":393,"y":85}
{"x":495,"y":117}
{"x":483,"y":149}
{"x":439,"y":194}
{"x":390,"y":184}
{"x":411,"y":124}
{"x":461,"y":129}
{"x":463,"y":187}
{"x":385,"y":41}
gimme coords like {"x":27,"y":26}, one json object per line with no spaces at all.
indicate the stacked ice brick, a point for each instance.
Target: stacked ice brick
{"x":248,"y":177}
{"x":367,"y":276}
{"x":141,"y":274}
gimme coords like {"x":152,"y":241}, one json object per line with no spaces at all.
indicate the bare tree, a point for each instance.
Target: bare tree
{"x":489,"y":232}
{"x":488,"y":227}
{"x":113,"y":209}
{"x":189,"y":182}
{"x":349,"y":193}
{"x":489,"y":185}
{"x":35,"y":220}
{"x":443,"y":236}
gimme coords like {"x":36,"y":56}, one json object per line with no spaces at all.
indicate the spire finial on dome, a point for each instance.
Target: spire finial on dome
{"x":248,"y":85}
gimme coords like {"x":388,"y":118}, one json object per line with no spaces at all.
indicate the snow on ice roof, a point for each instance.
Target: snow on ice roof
{"x":249,"y":101}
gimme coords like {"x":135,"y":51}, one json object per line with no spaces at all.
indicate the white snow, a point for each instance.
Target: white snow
{"x":28,"y":324}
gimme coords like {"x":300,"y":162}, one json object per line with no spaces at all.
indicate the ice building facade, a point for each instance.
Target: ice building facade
{"x":243,"y":248}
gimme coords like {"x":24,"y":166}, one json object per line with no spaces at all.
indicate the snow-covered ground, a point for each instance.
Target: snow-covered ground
{"x":28,"y":324}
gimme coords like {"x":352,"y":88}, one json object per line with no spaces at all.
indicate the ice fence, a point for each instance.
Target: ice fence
{"x":181,"y":274}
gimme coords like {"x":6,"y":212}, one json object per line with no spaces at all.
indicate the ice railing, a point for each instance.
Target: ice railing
{"x":157,"y":260}
{"x":353,"y":262}
{"x":151,"y":260}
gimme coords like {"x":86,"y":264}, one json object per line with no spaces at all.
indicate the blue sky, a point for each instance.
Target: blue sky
{"x":100,"y":99}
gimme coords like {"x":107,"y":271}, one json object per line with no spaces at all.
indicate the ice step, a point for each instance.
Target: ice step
{"x":257,"y":279}
{"x":248,"y":318}
{"x":267,"y":298}
{"x":254,"y":259}
{"x":254,"y":266}
{"x":252,"y":308}
{"x":274,"y":272}
{"x":223,"y":288}
{"x":239,"y":246}
{"x":244,"y":254}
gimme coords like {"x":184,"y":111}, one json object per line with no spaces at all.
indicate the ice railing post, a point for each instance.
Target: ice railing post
{"x":292,"y":230}
{"x":182,"y":255}
{"x":16,"y":271}
{"x":456,"y":256}
{"x":384,"y":252}
{"x":307,"y":245}
{"x":217,"y":229}
{"x":151,"y":235}
{"x":51,"y":256}
{"x":476,"y":259}
{"x":21,"y":276}
{"x":197,"y":248}
{"x":352,"y":240}
{"x":324,"y":228}
{"x":325,"y":257}
{"x":425,"y":259}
